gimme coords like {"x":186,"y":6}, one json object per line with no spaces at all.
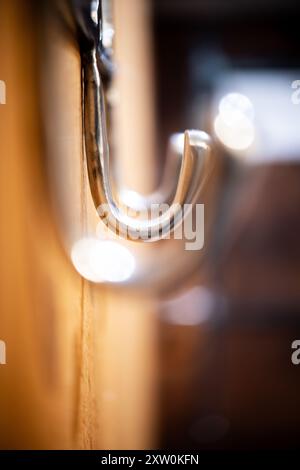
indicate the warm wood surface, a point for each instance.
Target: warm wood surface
{"x":80,"y":359}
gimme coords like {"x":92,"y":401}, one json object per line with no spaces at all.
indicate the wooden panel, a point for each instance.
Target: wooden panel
{"x":80,"y":359}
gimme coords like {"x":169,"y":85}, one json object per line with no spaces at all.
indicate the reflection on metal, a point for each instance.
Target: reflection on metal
{"x":97,"y":67}
{"x":102,"y":260}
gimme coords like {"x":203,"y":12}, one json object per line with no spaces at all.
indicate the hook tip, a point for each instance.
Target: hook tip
{"x":196,"y":137}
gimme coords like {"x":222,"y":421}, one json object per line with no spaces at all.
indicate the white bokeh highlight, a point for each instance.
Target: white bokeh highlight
{"x":102,"y":260}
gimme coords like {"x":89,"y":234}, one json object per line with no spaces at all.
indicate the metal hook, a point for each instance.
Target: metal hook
{"x":196,"y":152}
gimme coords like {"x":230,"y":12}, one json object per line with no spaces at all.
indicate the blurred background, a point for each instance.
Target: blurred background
{"x":111,"y":345}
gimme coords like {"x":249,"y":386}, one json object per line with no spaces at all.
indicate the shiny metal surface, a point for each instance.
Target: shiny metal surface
{"x":124,"y":220}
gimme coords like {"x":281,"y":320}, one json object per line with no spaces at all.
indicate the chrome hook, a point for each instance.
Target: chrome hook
{"x":197,"y":147}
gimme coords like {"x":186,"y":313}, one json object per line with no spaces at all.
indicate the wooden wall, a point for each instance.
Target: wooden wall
{"x":81,"y":359}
